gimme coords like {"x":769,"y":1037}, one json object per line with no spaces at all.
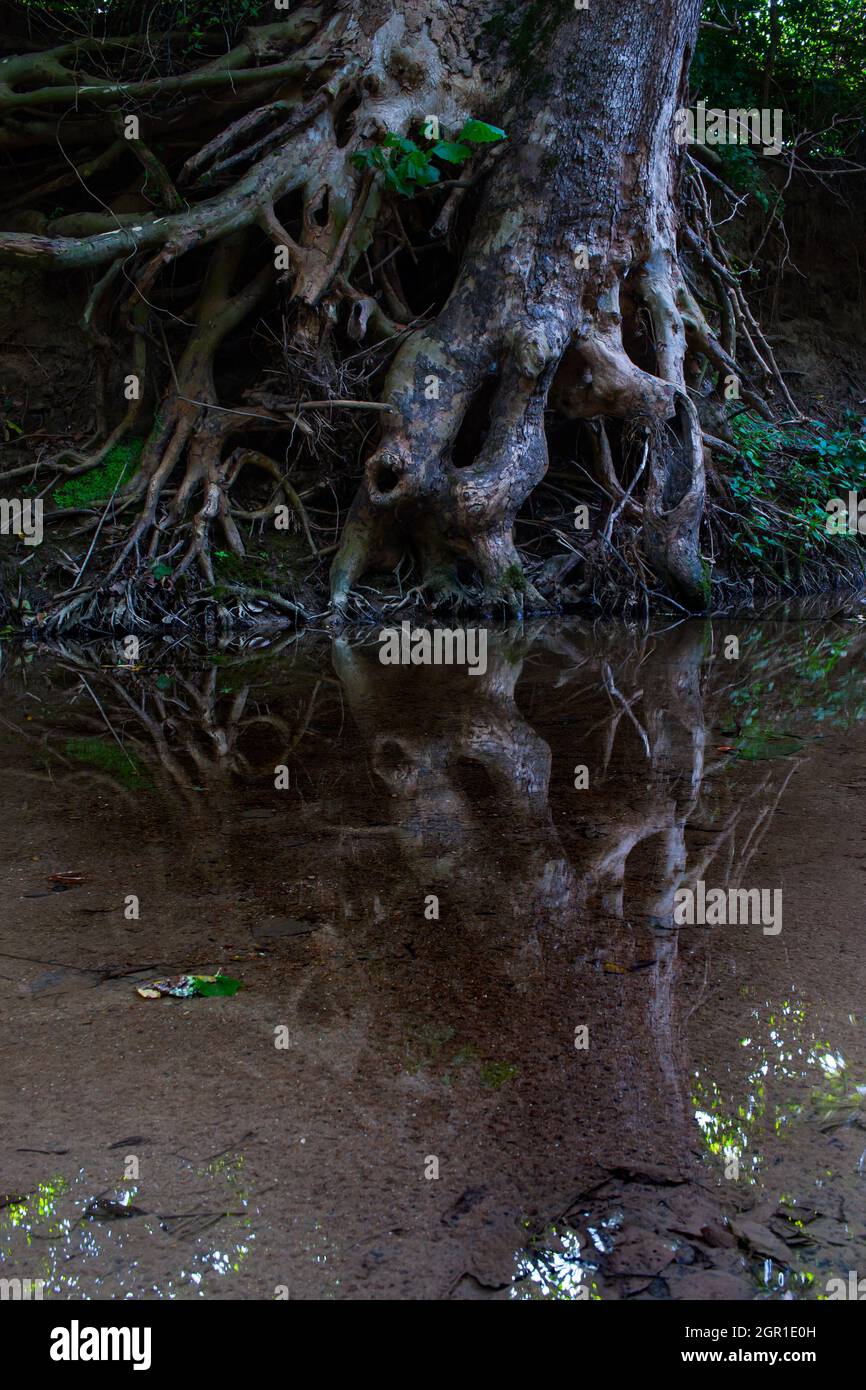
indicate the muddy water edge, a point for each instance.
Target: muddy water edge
{"x":473,"y":1055}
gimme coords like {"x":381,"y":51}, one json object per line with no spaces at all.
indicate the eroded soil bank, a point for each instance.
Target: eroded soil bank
{"x":707,"y":1143}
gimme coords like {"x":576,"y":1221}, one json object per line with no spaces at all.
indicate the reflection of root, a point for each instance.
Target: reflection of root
{"x":431,"y":775}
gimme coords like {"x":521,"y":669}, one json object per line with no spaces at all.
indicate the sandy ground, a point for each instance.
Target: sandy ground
{"x":394,"y":1105}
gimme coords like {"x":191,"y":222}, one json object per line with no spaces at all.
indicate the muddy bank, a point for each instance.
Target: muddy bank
{"x":399,"y":1103}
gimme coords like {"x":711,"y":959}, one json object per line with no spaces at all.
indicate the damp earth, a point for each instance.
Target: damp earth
{"x":473,"y":1054}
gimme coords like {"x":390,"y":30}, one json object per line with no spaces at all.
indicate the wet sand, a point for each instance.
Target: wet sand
{"x":394,"y":1104}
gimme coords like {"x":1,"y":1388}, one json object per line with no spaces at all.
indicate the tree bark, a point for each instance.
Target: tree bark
{"x":574,"y":246}
{"x":577,"y":231}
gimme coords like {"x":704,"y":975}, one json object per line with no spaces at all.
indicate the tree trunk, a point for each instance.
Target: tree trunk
{"x":570,"y":256}
{"x":577,"y":232}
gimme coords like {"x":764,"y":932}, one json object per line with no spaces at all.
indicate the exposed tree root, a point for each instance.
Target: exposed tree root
{"x":575,"y":299}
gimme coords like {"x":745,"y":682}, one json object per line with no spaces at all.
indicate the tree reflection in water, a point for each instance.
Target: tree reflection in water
{"x":455,"y":1034}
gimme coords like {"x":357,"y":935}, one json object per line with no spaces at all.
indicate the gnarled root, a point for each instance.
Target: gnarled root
{"x":674,"y":505}
{"x":487,"y":348}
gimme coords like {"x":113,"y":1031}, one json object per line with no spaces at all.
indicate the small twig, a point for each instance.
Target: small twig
{"x":615,"y":511}
{"x":74,"y":585}
{"x":109,"y":725}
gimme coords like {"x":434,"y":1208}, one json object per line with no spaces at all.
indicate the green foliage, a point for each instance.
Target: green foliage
{"x":406,"y":167}
{"x":437,"y":1051}
{"x":98,"y":484}
{"x":108,"y":757}
{"x":204,"y":20}
{"x":201,"y":18}
{"x":480,"y":133}
{"x":514,"y":578}
{"x":822,"y":687}
{"x":251,"y":569}
{"x":812,"y":67}
{"x":742,"y":172}
{"x":787,"y":1073}
{"x":790,"y":473}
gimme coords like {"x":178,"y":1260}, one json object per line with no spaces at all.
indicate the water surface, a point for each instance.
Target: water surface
{"x":394,"y":1104}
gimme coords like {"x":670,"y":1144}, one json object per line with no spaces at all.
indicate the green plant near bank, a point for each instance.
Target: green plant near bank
{"x":805,"y":57}
{"x":787,"y":474}
{"x":743,"y":173}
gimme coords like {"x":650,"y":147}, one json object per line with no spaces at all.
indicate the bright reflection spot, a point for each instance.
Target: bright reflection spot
{"x":78,"y":1242}
{"x":781,"y":1055}
{"x":563,"y":1272}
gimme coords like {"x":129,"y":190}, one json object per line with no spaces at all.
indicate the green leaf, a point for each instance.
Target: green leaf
{"x":418,"y":168}
{"x":480,"y":133}
{"x":220,"y":986}
{"x":450,"y":151}
{"x":395,"y":180}
{"x":398,"y":142}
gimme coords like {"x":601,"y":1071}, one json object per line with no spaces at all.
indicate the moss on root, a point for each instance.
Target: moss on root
{"x":97,"y":484}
